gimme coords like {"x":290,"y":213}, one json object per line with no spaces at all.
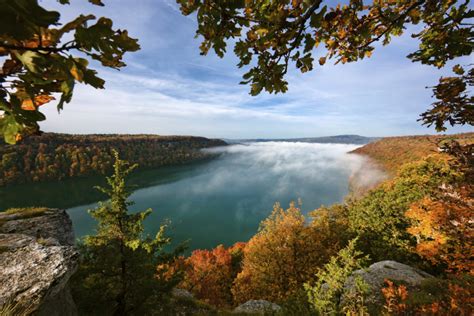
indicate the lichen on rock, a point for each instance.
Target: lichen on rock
{"x":37,"y":258}
{"x":259,"y":307}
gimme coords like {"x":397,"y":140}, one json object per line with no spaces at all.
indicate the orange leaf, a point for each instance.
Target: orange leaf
{"x":29,"y":105}
{"x":43,"y":99}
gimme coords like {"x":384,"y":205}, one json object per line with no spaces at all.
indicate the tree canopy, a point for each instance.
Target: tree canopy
{"x":123,"y":271}
{"x":44,"y":59}
{"x":271,"y":35}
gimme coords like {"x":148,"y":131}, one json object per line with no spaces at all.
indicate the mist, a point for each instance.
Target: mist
{"x":224,"y":200}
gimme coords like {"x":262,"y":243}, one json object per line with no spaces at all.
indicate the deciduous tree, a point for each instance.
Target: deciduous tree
{"x":284,"y":254}
{"x":443,"y":222}
{"x":270,"y":35}
{"x":209,"y":274}
{"x":42,"y":60}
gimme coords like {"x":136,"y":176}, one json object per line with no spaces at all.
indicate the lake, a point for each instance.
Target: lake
{"x":215,"y":202}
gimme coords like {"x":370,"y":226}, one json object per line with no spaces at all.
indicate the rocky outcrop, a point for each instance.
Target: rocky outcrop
{"x":37,"y":258}
{"x":42,"y":223}
{"x":259,"y":307}
{"x":181,"y":294}
{"x":377,"y":273}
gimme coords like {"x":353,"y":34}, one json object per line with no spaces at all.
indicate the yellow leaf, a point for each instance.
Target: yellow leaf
{"x":341,"y":33}
{"x":262,"y":31}
{"x":368,"y":53}
{"x":76,"y":73}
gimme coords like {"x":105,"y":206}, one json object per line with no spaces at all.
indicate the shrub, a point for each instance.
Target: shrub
{"x":325,"y":295}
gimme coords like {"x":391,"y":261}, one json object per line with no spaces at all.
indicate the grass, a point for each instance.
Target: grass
{"x":11,"y":308}
{"x":27,"y":212}
{"x":22,"y":213}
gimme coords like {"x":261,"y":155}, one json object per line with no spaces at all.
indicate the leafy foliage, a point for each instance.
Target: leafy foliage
{"x":433,"y":297}
{"x":379,"y":217}
{"x":60,"y":156}
{"x":391,"y":153}
{"x":283,"y":255}
{"x":455,"y":105}
{"x":325,"y":294}
{"x":122,"y":271}
{"x":443,"y":223}
{"x":38,"y":64}
{"x":209,"y":274}
{"x":272,"y":34}
{"x":395,"y":298}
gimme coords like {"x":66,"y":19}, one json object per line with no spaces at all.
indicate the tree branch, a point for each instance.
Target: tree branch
{"x":40,"y":49}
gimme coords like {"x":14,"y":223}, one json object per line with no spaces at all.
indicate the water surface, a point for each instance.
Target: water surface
{"x":216,"y":202}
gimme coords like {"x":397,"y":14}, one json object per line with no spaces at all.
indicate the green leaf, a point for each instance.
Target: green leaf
{"x":27,"y":59}
{"x":9,"y":128}
{"x":21,"y":19}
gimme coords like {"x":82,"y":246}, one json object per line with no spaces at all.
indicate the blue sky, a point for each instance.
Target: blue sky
{"x":168,"y":88}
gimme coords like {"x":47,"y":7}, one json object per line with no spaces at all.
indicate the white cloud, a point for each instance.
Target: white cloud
{"x":169,"y":89}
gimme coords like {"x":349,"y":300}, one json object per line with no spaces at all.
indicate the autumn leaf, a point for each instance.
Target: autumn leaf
{"x":28,"y":105}
{"x":76,"y":73}
{"x":43,"y":99}
{"x":39,"y":100}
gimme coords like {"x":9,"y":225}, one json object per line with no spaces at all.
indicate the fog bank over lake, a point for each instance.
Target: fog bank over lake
{"x":223,"y":201}
{"x":218,"y":201}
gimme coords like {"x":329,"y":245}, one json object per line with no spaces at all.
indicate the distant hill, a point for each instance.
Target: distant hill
{"x":338,"y":139}
{"x":392,"y":152}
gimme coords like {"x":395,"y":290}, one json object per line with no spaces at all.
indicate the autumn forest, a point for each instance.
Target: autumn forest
{"x":280,"y":207}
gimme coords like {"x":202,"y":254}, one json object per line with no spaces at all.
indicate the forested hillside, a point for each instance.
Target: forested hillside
{"x":58,"y":156}
{"x":392,"y":152}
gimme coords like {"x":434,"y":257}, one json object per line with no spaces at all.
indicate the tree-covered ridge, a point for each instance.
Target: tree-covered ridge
{"x":393,"y":152}
{"x":59,"y":156}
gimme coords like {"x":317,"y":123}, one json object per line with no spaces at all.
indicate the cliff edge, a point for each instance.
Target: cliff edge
{"x":37,"y":258}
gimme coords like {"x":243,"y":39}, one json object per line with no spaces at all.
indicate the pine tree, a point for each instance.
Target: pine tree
{"x":123,"y":271}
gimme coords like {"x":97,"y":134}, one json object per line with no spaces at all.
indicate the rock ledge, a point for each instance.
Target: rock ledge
{"x":37,"y":258}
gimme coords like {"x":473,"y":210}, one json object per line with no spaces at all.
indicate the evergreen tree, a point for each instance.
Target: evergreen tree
{"x":123,"y":271}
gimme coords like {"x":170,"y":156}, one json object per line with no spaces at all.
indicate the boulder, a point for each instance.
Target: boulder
{"x":37,"y":258}
{"x":41,"y":223}
{"x":376,"y":274}
{"x":259,"y":307}
{"x":182,"y":294}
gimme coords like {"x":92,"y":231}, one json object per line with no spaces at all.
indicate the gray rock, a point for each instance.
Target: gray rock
{"x":377,"y":273}
{"x":37,"y":258}
{"x":50,"y":223}
{"x":181,"y":293}
{"x":257,"y":307}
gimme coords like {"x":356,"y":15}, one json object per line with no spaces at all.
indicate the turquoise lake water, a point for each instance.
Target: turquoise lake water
{"x":215,"y":202}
